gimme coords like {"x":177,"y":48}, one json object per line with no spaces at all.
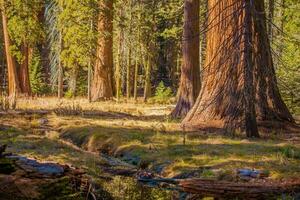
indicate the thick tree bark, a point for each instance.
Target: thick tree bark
{"x":219,"y":189}
{"x":24,"y":71}
{"x":221,"y":103}
{"x":13,"y":81}
{"x":102,"y":81}
{"x":190,"y":70}
{"x":249,"y":88}
{"x":234,"y":190}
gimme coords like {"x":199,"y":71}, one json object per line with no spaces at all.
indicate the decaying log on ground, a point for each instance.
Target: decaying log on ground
{"x":229,"y":190}
{"x":25,"y":178}
{"x":242,"y":190}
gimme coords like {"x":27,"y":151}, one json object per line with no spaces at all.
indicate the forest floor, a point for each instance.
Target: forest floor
{"x":76,"y":132}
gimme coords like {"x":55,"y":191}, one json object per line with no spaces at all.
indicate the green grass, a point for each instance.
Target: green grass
{"x":216,"y":152}
{"x":153,"y":139}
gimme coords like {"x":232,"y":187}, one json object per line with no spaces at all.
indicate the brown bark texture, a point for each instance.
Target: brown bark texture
{"x":249,"y":92}
{"x":190,"y":70}
{"x":221,"y":102}
{"x":102,"y":80}
{"x":235,"y":190}
{"x":23,"y":71}
{"x":13,"y":82}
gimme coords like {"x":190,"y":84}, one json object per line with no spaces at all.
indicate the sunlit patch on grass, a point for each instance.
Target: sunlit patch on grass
{"x":151,"y":138}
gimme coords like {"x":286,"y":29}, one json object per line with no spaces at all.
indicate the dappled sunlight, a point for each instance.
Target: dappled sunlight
{"x":149,"y":100}
{"x":156,"y":145}
{"x":150,"y":141}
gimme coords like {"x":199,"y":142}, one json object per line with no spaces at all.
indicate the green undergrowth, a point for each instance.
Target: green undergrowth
{"x":127,"y":188}
{"x":45,"y":149}
{"x":62,"y":188}
{"x":214,"y":153}
{"x":148,"y":146}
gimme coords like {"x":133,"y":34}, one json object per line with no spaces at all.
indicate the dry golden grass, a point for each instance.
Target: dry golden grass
{"x":130,"y":106}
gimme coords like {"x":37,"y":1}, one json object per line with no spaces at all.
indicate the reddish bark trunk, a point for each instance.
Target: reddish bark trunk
{"x":24,"y":71}
{"x":102,"y":81}
{"x":235,"y":190}
{"x":13,"y":82}
{"x":221,"y":103}
{"x":190,"y":69}
{"x":249,"y":88}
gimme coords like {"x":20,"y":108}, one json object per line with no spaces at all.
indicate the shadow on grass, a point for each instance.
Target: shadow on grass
{"x":216,"y":152}
{"x":161,"y":147}
{"x":89,"y":114}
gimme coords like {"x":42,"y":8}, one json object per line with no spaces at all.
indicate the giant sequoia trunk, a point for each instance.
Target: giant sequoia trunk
{"x":190,"y":69}
{"x":224,"y":98}
{"x":24,"y":70}
{"x":13,"y":82}
{"x":102,"y":80}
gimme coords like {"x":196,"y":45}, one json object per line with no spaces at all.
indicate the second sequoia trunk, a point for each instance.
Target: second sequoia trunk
{"x":190,"y":69}
{"x":24,"y":71}
{"x":102,"y":80}
{"x":222,"y":101}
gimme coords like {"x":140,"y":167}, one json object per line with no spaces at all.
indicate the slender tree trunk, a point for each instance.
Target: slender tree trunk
{"x":60,"y":78}
{"x":221,"y":103}
{"x":129,"y":46}
{"x":136,"y":68}
{"x":89,"y":81}
{"x":128,"y":74}
{"x":138,"y":57}
{"x":147,"y":89}
{"x":102,"y":81}
{"x":73,"y":81}
{"x":119,"y":63}
{"x":190,"y":71}
{"x":24,"y":71}
{"x":90,"y":71}
{"x":118,"y":68}
{"x":60,"y":82}
{"x":13,"y":82}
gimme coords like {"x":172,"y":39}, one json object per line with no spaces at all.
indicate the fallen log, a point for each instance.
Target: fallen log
{"x":221,"y":189}
{"x":265,"y":189}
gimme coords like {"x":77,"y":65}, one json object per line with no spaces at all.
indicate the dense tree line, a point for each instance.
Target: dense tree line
{"x":227,"y":61}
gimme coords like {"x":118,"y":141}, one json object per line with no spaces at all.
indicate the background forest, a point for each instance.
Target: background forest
{"x":57,"y":40}
{"x":194,"y":98}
